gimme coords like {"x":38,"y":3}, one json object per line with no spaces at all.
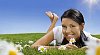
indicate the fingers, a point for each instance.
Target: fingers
{"x":85,"y":47}
{"x":74,"y":46}
{"x":71,"y":46}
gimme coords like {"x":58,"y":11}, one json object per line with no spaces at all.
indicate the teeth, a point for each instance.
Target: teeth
{"x":70,"y":35}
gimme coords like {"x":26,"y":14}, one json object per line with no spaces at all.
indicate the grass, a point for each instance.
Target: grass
{"x":24,"y":38}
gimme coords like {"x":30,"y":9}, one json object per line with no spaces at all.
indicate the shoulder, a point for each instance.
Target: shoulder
{"x":57,"y":29}
{"x":89,"y":35}
{"x":58,"y":33}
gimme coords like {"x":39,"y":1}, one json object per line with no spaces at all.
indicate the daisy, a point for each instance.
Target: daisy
{"x":62,"y":47}
{"x":26,"y":45}
{"x":19,"y":47}
{"x":30,"y":42}
{"x":72,"y":40}
{"x":8,"y":49}
{"x":42,"y":49}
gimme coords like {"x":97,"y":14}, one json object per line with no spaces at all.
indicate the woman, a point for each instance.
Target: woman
{"x":72,"y":27}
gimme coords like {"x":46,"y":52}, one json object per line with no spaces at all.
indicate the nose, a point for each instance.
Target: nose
{"x":68,"y":30}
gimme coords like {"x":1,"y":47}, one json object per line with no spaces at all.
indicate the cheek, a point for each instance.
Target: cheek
{"x":63,"y":31}
{"x":77,"y":32}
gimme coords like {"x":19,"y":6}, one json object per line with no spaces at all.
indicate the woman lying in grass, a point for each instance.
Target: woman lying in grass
{"x":72,"y":28}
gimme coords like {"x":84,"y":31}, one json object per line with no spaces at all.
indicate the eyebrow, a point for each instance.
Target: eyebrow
{"x":65,"y":25}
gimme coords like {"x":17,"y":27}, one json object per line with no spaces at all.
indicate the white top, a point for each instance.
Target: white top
{"x":58,"y":35}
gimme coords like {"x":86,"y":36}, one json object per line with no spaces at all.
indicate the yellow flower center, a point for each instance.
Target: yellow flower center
{"x":98,"y":50}
{"x":11,"y":52}
{"x":42,"y":49}
{"x":72,"y":40}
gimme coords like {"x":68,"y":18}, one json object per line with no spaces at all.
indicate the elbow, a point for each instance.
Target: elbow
{"x":35,"y":46}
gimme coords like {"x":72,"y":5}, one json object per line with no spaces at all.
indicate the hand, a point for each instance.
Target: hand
{"x":85,"y":47}
{"x":71,"y":46}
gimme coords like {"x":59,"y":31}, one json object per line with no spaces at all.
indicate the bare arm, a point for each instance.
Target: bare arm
{"x":52,"y":25}
{"x":45,"y":40}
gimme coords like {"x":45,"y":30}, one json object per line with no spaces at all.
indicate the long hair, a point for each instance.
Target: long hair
{"x":73,"y":14}
{"x":80,"y":42}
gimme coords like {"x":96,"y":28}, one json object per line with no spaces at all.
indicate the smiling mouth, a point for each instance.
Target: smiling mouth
{"x":70,"y":35}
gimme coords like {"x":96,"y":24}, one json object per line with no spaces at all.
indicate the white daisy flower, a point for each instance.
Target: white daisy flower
{"x":62,"y":47}
{"x":93,"y":47}
{"x":72,"y":40}
{"x":26,"y":45}
{"x":42,"y":49}
{"x":30,"y":42}
{"x":19,"y":47}
{"x":8,"y":49}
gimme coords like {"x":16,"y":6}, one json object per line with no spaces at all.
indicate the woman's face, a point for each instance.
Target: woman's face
{"x":71,"y":29}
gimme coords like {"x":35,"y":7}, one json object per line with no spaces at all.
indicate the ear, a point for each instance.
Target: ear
{"x":82,"y":26}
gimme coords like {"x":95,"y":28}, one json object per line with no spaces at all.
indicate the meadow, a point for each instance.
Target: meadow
{"x":23,"y":39}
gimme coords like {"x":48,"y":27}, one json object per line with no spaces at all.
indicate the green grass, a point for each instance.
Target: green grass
{"x":24,"y":38}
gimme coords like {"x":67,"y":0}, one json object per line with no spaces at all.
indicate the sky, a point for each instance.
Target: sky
{"x":28,"y":16}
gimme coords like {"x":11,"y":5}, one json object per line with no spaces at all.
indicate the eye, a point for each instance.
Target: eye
{"x":64,"y":27}
{"x":73,"y":26}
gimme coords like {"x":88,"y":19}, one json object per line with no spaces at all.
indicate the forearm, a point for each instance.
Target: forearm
{"x":48,"y":47}
{"x":52,"y":25}
{"x":85,"y":47}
